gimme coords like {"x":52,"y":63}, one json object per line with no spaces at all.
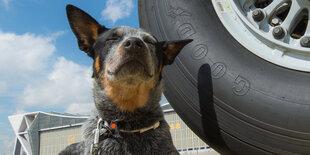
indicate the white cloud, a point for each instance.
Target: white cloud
{"x":67,"y":83}
{"x":117,"y":9}
{"x":36,"y":77}
{"x":80,"y":108}
{"x":22,"y":57}
{"x":6,"y":3}
{"x":20,"y":54}
{"x":19,"y":110}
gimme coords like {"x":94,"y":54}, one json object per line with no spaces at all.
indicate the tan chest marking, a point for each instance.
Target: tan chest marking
{"x":128,"y":97}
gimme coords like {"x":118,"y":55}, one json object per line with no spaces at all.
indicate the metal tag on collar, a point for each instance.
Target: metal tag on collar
{"x":97,"y":133}
{"x":100,"y":130}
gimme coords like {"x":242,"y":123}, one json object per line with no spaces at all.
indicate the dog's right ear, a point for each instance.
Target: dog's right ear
{"x":85,"y":28}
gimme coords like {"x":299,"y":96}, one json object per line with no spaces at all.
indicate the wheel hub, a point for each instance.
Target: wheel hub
{"x":276,"y":30}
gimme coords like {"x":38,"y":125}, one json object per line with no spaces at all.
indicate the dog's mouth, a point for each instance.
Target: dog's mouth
{"x":130,"y":67}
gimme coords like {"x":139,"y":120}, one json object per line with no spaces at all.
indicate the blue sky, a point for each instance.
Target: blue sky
{"x":41,"y":67}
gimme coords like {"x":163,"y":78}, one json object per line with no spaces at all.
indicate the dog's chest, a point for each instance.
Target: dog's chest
{"x":136,"y":143}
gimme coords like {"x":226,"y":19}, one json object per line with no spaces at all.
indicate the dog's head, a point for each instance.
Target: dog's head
{"x":127,"y":61}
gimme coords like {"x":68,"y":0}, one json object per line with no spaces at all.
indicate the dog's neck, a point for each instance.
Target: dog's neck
{"x":128,"y":97}
{"x":109,"y":111}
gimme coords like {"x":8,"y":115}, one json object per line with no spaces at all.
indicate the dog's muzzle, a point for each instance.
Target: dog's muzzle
{"x":134,"y":55}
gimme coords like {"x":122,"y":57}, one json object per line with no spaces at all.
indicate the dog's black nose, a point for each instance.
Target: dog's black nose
{"x":133,"y":43}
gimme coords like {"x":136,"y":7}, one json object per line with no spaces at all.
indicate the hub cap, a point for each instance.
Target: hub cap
{"x":275,"y":30}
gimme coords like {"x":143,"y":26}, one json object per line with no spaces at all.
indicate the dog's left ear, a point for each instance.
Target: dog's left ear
{"x":85,"y":28}
{"x":171,"y":49}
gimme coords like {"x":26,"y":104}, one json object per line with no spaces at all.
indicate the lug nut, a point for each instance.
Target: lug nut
{"x":258,"y":15}
{"x":275,"y":21}
{"x":305,"y":42}
{"x":278,"y":32}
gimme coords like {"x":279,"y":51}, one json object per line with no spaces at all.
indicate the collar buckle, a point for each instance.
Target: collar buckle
{"x":102,"y":128}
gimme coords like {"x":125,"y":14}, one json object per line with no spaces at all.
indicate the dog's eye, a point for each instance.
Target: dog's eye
{"x":149,"y":40}
{"x":114,"y":37}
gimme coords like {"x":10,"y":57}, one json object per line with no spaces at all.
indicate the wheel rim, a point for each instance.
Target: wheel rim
{"x":275,"y":30}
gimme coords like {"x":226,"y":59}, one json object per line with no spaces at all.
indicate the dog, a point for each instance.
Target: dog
{"x":127,"y":89}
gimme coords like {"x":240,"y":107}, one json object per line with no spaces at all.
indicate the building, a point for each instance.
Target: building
{"x":48,"y":133}
{"x":45,"y":133}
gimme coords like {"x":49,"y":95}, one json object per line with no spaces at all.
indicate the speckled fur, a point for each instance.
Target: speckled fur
{"x":152,"y":142}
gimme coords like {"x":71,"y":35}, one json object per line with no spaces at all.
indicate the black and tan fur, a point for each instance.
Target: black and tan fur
{"x":127,"y":86}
